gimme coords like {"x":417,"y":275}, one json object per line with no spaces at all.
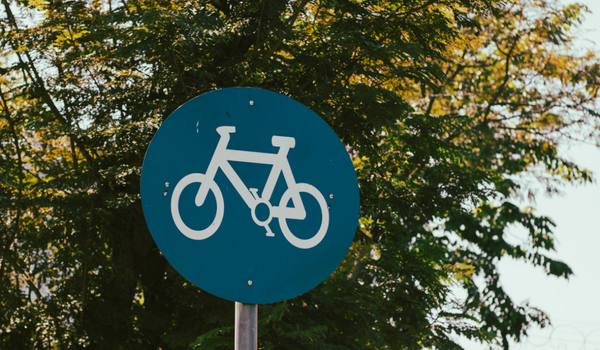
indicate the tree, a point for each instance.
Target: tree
{"x":446,"y":105}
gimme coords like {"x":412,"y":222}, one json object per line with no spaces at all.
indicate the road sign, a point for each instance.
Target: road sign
{"x":250,"y":195}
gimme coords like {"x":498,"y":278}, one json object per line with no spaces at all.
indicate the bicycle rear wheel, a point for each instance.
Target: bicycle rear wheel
{"x":318,"y":237}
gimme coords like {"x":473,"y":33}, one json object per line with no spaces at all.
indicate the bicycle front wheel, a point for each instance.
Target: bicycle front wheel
{"x":318,"y":237}
{"x":216,"y":222}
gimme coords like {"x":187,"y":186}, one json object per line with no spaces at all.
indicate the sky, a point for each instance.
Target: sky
{"x":573,"y":305}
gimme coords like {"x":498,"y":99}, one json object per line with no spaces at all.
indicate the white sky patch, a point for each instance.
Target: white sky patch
{"x":573,"y":306}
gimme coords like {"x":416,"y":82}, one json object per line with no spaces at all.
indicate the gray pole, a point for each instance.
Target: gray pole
{"x":246,"y":319}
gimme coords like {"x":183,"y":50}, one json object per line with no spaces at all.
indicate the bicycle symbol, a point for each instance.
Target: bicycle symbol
{"x":279,"y":161}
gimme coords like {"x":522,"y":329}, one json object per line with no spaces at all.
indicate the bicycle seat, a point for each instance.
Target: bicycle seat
{"x":225,"y":130}
{"x":283,"y":141}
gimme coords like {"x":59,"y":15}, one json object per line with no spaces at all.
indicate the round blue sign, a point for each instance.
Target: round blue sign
{"x":250,"y":195}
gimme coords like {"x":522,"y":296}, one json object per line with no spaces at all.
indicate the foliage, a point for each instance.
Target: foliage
{"x":452,"y":109}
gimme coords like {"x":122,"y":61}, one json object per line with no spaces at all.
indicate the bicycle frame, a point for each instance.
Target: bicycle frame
{"x":223,"y":156}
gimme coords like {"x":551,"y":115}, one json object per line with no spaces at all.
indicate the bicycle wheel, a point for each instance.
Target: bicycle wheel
{"x":183,"y":228}
{"x":318,"y":237}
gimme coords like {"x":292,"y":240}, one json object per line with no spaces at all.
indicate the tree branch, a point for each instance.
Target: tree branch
{"x":447,"y":82}
{"x":44,"y":91}
{"x":418,"y":8}
{"x":14,"y":261}
{"x":290,"y":22}
{"x":506,"y":79}
{"x":19,"y":201}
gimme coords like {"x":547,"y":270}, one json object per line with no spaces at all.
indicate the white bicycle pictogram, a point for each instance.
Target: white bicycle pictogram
{"x":281,"y":165}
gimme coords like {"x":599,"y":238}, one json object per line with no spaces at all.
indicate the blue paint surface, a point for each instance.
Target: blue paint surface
{"x":240,"y":251}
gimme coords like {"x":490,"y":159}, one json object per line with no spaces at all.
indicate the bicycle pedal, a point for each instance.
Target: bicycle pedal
{"x":269,"y":232}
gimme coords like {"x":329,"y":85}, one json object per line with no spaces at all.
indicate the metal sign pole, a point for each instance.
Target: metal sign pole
{"x":246,"y":326}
